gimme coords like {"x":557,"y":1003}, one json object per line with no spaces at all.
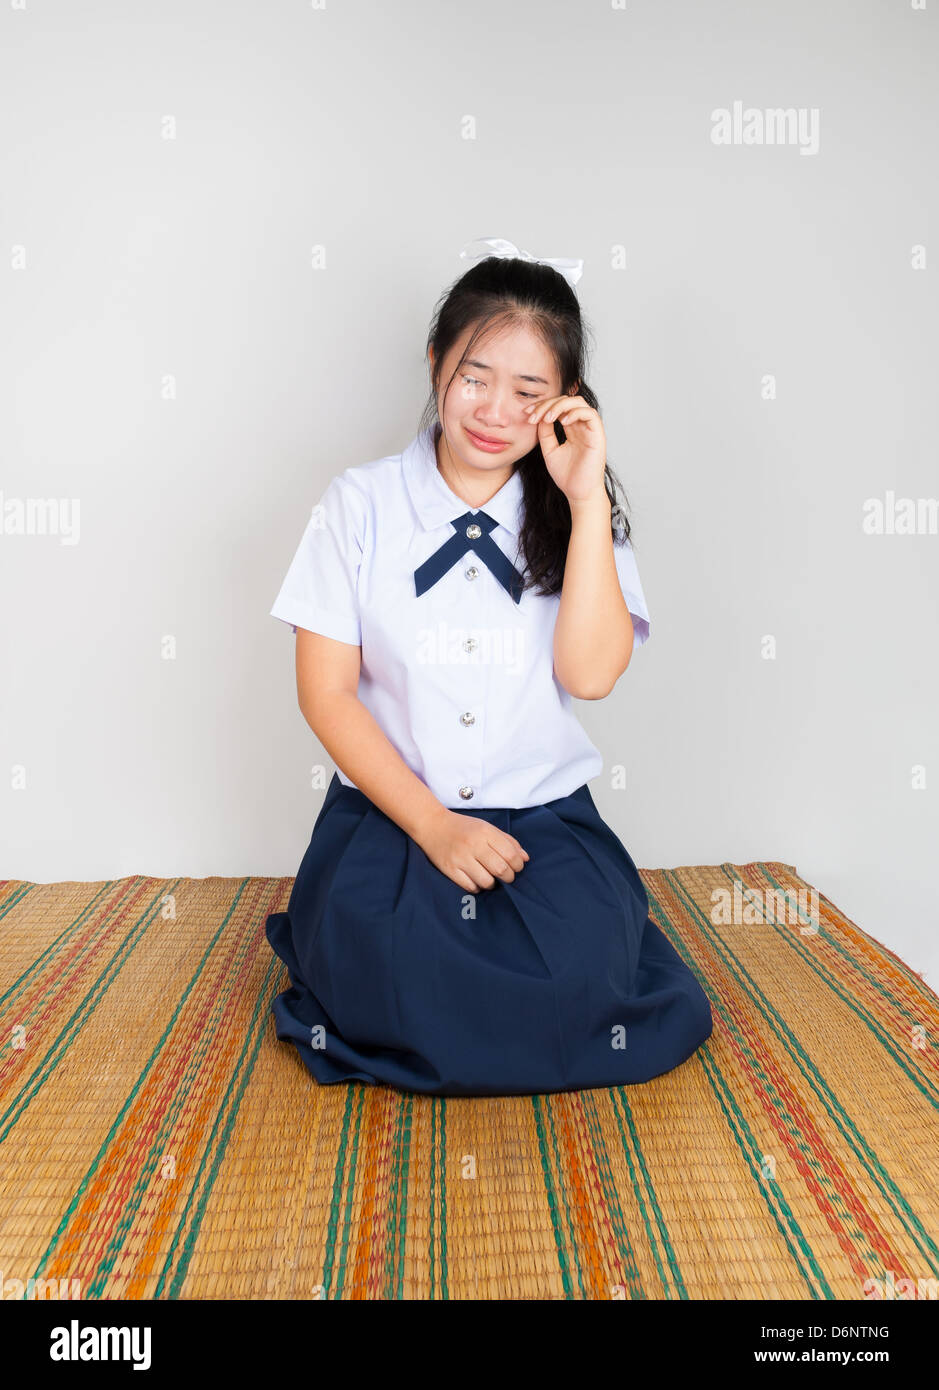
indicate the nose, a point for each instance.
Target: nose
{"x":495,"y":410}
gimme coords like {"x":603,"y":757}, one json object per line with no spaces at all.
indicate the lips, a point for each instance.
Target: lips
{"x":486,"y":438}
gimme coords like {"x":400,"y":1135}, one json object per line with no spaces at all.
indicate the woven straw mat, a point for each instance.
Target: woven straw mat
{"x":158,"y":1141}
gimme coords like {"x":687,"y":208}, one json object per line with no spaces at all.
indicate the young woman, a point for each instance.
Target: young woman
{"x":463,"y":921}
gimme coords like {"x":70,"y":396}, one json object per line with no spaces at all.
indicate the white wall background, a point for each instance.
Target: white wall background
{"x":133,"y":258}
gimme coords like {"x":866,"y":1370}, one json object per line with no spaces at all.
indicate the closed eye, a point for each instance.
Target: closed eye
{"x":526,"y":395}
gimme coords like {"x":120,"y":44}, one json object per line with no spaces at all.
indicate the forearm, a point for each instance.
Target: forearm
{"x":357,"y":744}
{"x":593,"y":634}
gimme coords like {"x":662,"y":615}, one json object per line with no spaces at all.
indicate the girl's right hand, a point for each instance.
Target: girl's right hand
{"x":472,"y":852}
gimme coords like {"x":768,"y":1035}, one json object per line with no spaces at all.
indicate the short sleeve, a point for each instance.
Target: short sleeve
{"x":319,"y":592}
{"x":631,"y":586}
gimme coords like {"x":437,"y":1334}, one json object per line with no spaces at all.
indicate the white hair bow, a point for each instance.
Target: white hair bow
{"x":498,"y":246}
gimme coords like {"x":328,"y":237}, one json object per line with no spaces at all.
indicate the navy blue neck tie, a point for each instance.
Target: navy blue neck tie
{"x":472,"y":533}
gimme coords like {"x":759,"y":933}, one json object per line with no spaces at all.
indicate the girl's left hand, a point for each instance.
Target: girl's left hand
{"x":578,"y":464}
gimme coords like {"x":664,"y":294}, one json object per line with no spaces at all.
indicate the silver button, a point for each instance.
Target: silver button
{"x":472,"y":572}
{"x":474,"y":532}
{"x":466,"y":793}
{"x":467,"y":718}
{"x":470,"y":644}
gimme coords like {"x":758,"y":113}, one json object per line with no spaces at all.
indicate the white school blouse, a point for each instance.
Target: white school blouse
{"x":461,"y":679}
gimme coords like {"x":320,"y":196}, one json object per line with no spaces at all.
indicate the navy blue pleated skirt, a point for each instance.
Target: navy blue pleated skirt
{"x":558,"y":981}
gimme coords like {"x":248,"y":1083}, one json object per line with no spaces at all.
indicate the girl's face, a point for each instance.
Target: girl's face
{"x":502,"y":374}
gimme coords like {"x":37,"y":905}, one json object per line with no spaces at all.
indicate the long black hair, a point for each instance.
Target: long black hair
{"x":502,"y":291}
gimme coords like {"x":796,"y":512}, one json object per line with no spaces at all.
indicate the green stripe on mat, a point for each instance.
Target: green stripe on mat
{"x":16,"y":897}
{"x":632,"y":1145}
{"x":394,"y":1257}
{"x":538,"y":1103}
{"x":349,"y":1189}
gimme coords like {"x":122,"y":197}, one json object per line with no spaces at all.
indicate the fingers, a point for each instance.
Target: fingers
{"x":488,"y":858}
{"x":567,"y":417}
{"x":483,"y":868}
{"x":463,"y":880}
{"x":552,"y":406}
{"x":523,"y":852}
{"x":479,"y":872}
{"x":502,"y":860}
{"x":511,"y":850}
{"x":497,"y":864}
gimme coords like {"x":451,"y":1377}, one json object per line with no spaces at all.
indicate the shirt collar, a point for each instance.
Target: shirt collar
{"x":435,"y":503}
